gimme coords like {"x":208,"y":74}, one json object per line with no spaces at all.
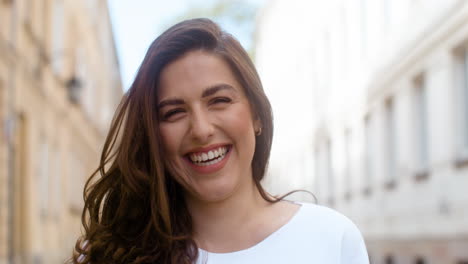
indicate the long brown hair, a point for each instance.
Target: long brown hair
{"x":134,"y":211}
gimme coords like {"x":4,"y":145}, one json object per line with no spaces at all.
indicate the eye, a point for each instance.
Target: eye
{"x":172,"y":114}
{"x":221,"y":99}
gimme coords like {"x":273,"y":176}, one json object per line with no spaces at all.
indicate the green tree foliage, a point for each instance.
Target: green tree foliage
{"x":235,"y":16}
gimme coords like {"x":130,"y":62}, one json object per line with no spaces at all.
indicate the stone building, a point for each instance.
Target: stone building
{"x":378,"y":124}
{"x":59,"y":87}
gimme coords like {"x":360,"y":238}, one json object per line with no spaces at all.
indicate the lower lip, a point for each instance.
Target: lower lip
{"x":210,"y":168}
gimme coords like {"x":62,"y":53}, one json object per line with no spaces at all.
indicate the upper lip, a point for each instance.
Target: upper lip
{"x":207,"y":148}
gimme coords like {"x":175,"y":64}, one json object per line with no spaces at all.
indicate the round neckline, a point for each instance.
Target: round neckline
{"x":266,"y":239}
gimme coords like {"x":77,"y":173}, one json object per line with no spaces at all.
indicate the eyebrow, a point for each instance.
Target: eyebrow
{"x":216,"y":88}
{"x":207,"y":92}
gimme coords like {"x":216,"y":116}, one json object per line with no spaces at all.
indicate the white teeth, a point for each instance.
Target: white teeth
{"x":201,"y":158}
{"x":193,"y":157}
{"x":211,"y":162}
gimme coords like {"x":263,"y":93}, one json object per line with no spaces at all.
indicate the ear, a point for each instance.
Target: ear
{"x":257,"y":127}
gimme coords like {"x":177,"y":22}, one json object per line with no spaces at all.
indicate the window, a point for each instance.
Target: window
{"x":76,"y":183}
{"x":386,"y":8}
{"x":364,"y":24}
{"x":324,"y":180}
{"x":420,"y":120}
{"x":43,"y":177}
{"x":27,"y":12}
{"x":93,"y":10}
{"x":344,"y":41}
{"x":58,"y":31}
{"x":327,"y":59}
{"x":85,"y":76}
{"x":56,"y":183}
{"x":347,"y":169}
{"x":39,"y":12}
{"x":390,"y":144}
{"x":317,"y":171}
{"x":329,"y":173}
{"x":462,"y":105}
{"x":369,"y":157}
{"x":89,"y":97}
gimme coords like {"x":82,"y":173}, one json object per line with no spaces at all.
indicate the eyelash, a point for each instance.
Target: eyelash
{"x":216,"y":100}
{"x":172,"y":112}
{"x":221,"y":100}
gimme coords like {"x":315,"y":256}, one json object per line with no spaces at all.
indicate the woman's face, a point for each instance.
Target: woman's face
{"x":206,"y":126}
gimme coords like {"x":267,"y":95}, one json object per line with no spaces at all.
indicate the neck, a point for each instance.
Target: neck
{"x":231,"y":218}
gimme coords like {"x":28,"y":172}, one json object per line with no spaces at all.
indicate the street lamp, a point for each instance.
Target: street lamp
{"x":74,"y":86}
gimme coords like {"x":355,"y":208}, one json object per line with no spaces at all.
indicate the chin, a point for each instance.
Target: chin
{"x":214,"y":192}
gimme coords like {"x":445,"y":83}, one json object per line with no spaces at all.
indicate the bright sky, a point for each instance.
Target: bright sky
{"x":137,"y":23}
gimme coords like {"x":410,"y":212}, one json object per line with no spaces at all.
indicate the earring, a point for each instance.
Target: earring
{"x":258,"y":131}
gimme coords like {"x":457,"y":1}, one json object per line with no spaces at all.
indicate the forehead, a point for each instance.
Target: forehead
{"x":194,"y":72}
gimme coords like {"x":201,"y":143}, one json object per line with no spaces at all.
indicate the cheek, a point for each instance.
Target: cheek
{"x":170,"y":139}
{"x":239,"y":125}
{"x":241,"y":121}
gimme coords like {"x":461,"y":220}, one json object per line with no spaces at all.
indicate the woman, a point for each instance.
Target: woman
{"x":181,"y":168}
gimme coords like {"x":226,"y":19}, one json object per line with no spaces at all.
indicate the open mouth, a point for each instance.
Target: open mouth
{"x":208,"y":158}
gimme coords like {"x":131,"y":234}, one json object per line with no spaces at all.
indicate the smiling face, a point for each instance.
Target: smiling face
{"x":206,"y":126}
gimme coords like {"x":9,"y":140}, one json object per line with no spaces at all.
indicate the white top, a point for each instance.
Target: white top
{"x":315,"y":234}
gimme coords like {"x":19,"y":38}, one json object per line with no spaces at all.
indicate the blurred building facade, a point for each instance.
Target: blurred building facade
{"x":59,"y":86}
{"x":379,"y":121}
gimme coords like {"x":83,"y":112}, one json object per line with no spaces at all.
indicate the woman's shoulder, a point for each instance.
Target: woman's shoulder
{"x":326,"y":232}
{"x":315,"y":216}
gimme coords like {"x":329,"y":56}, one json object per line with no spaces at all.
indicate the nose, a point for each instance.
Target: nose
{"x":201,"y":127}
